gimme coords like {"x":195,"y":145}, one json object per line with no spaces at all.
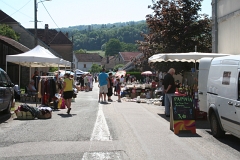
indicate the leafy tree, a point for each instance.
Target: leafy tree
{"x":53,"y":69}
{"x":128,"y":47}
{"x":113,"y":47}
{"x":118,"y":66}
{"x":175,"y":26}
{"x":80,"y":51}
{"x":95,"y":68}
{"x":7,"y":31}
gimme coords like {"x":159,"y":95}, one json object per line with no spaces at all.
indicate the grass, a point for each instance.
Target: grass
{"x":101,"y":53}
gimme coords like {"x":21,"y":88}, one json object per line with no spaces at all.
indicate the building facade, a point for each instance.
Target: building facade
{"x":225,"y":28}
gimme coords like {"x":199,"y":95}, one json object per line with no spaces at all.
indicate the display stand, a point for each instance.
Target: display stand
{"x":182,"y":114}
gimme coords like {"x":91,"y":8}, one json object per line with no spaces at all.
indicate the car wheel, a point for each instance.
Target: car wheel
{"x":215,"y":126}
{"x":8,"y":109}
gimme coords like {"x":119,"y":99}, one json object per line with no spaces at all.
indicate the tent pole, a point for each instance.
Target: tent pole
{"x":19,"y":75}
{"x":6,"y":66}
{"x":30,"y":73}
{"x":195,"y":65}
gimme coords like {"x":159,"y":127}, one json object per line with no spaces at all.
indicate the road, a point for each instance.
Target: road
{"x":126,"y":131}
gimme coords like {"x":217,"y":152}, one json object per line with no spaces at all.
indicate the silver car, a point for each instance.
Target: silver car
{"x":6,"y":92}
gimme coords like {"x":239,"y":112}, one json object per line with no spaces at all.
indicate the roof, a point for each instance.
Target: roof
{"x":60,"y":38}
{"x":54,"y":37}
{"x":4,"y":18}
{"x":128,"y":56}
{"x":111,"y":64}
{"x":14,"y":43}
{"x":88,"y":57}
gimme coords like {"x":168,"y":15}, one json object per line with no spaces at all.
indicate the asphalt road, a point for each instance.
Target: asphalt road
{"x":125,"y":130}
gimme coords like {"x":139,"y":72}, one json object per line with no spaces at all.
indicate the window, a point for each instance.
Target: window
{"x":84,"y":66}
{"x":239,"y":86}
{"x":226,"y":78}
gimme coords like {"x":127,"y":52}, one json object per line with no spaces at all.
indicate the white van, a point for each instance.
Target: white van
{"x":219,"y":93}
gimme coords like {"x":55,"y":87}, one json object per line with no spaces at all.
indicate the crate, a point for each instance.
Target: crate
{"x":24,"y":115}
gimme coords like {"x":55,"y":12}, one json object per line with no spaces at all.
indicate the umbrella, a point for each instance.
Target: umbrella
{"x":146,"y":73}
{"x":63,"y":72}
{"x":120,"y":73}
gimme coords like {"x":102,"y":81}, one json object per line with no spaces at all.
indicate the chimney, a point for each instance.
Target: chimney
{"x":67,"y":34}
{"x":46,"y":34}
{"x":107,"y":59}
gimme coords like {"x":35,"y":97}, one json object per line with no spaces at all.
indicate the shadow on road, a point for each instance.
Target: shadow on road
{"x":229,"y":140}
{"x":4,"y":117}
{"x":66,"y":115}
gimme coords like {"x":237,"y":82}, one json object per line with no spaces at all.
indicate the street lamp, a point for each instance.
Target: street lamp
{"x":35,"y":20}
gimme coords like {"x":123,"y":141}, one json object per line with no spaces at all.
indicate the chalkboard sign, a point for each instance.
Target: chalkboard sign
{"x":183,"y":108}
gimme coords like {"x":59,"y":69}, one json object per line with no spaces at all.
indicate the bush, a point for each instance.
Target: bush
{"x":137,"y":75}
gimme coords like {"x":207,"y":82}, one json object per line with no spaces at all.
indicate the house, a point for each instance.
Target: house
{"x":84,"y":61}
{"x":130,"y":65}
{"x":56,"y":42}
{"x":225,"y":28}
{"x":9,"y":46}
{"x":109,"y":62}
{"x":125,"y":57}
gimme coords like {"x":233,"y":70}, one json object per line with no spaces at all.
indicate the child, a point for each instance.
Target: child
{"x":118,"y":89}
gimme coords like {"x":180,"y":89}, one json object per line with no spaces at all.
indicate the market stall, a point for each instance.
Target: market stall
{"x":37,"y":57}
{"x":185,"y":88}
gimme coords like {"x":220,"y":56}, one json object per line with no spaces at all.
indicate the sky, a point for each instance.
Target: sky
{"x":65,"y":13}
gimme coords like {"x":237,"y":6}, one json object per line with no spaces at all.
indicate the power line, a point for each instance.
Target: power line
{"x":50,"y":15}
{"x":17,"y":10}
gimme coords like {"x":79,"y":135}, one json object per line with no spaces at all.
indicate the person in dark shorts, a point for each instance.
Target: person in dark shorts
{"x":68,"y":91}
{"x":110,"y":86}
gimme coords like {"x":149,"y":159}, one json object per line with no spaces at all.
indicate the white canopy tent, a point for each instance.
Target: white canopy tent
{"x":37,"y":57}
{"x":182,"y":57}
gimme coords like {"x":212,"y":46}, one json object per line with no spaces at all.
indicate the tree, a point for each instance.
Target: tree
{"x":175,"y":26}
{"x":95,"y":68}
{"x":118,"y":66}
{"x":7,"y":31}
{"x":53,"y":69}
{"x":113,"y":46}
{"x":80,"y":51}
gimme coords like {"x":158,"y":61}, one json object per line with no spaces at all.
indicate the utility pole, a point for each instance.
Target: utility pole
{"x":35,"y":23}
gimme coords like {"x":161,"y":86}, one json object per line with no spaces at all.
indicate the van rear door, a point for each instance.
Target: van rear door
{"x":204,"y":66}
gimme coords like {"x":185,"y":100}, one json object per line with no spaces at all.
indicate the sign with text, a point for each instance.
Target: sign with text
{"x":183,"y":108}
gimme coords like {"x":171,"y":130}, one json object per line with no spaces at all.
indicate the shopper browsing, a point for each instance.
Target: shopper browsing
{"x":103,"y":82}
{"x":169,"y":90}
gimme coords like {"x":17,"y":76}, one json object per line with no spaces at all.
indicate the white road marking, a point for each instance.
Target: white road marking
{"x":101,"y":130}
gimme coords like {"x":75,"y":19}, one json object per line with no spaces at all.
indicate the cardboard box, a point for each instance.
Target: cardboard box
{"x":24,"y":115}
{"x":46,"y":115}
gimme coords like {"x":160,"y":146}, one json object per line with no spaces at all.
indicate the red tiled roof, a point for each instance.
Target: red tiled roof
{"x":14,"y":43}
{"x":88,"y":57}
{"x":128,"y":56}
{"x":4,"y":18}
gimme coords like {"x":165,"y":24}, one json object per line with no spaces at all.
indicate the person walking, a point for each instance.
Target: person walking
{"x":118,"y":89}
{"x":103,"y":83}
{"x":86,"y":82}
{"x":110,"y":86}
{"x":67,"y":91}
{"x":169,"y":90}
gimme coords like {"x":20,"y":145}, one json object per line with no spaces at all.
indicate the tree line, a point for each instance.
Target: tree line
{"x":95,"y":37}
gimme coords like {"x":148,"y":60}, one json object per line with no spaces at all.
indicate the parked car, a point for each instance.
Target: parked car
{"x":6,"y":92}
